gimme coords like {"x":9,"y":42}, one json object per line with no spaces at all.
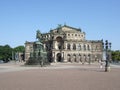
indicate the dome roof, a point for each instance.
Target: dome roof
{"x":38,"y":42}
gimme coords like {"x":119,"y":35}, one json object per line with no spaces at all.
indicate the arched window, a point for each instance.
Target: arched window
{"x":88,"y":56}
{"x":68,"y":34}
{"x":74,"y":46}
{"x":74,"y":57}
{"x":85,"y":57}
{"x":80,"y":58}
{"x":59,"y":46}
{"x":84,"y":47}
{"x":79,"y":47}
{"x":68,"y":46}
{"x":60,"y":42}
{"x":88,"y":47}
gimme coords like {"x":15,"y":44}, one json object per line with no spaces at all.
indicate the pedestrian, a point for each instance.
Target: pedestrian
{"x":101,"y":64}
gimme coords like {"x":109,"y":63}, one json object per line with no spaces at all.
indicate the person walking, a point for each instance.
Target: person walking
{"x":101,"y":64}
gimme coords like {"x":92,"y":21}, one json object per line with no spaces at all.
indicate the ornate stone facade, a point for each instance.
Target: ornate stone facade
{"x":68,"y":44}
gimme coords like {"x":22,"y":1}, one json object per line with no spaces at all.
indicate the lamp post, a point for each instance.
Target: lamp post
{"x":107,"y":48}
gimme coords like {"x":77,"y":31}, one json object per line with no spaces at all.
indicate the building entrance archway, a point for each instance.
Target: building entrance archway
{"x":59,"y":57}
{"x":69,"y":58}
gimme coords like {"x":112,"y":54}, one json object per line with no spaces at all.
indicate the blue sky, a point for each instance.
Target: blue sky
{"x":19,"y":19}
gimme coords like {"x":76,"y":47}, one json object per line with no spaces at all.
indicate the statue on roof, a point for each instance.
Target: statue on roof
{"x":39,"y":35}
{"x":59,"y":29}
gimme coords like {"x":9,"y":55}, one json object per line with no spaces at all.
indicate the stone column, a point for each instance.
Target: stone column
{"x":71,"y":57}
{"x":56,"y":45}
{"x":62,"y":55}
{"x":53,"y":45}
{"x":77,"y":58}
{"x":66,"y":46}
{"x":55,"y":57}
{"x":71,"y":48}
{"x":44,"y":46}
{"x":77,"y":46}
{"x":81,"y":47}
{"x":65,"y":57}
{"x":90,"y":47}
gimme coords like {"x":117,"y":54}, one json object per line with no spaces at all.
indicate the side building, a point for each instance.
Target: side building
{"x":68,"y":44}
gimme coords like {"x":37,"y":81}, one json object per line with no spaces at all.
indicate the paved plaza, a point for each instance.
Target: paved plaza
{"x":68,"y":76}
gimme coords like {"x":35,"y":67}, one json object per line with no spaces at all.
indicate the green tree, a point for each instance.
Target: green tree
{"x":19,"y":49}
{"x":5,"y":53}
{"x":116,"y":55}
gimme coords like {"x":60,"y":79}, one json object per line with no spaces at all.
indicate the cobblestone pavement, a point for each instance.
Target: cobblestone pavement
{"x":58,"y":77}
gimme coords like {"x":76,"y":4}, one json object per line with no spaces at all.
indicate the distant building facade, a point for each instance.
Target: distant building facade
{"x":68,"y":44}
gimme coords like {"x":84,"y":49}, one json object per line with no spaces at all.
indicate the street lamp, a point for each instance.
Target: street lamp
{"x":107,"y":48}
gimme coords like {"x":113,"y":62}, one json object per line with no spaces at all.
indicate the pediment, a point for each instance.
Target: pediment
{"x":66,"y":28}
{"x":70,"y":29}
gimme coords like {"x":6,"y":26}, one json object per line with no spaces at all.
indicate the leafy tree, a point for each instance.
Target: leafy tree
{"x":1,"y":52}
{"x":5,"y":53}
{"x":116,"y":55}
{"x":19,"y":49}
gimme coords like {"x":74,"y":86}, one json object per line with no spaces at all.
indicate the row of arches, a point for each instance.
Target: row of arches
{"x":71,"y":46}
{"x":74,"y":57}
{"x":75,"y":35}
{"x":78,"y":58}
{"x":78,"y":47}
